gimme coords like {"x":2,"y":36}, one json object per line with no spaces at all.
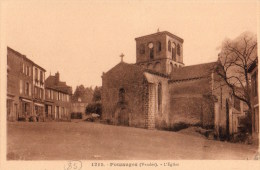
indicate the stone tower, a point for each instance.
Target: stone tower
{"x":160,"y":52}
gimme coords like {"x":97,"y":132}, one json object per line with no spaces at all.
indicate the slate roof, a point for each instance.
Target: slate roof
{"x":178,"y":74}
{"x":192,"y":72}
{"x":52,"y":83}
{"x":24,"y":57}
{"x":160,"y":33}
{"x":141,"y":69}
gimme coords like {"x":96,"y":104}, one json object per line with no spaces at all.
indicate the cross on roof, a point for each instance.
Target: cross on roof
{"x":122,"y":56}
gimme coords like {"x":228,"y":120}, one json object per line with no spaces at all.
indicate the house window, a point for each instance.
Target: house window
{"x":35,"y":92}
{"x":27,"y":70}
{"x":22,"y":67}
{"x":27,"y":88}
{"x":41,"y":93}
{"x":57,"y":95}
{"x":30,"y":89}
{"x":159,"y":46}
{"x":36,"y":74}
{"x":159,"y":97}
{"x":47,"y":94}
{"x":41,"y":77}
{"x":178,"y":49}
{"x":169,"y":46}
{"x":51,"y":92}
{"x":142,"y":49}
{"x":121,"y":95}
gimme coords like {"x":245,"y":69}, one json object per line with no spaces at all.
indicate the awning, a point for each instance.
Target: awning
{"x":39,"y":104}
{"x":25,"y":100}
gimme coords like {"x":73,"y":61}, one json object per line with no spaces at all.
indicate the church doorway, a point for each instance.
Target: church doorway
{"x":123,"y":117}
{"x":122,"y":113}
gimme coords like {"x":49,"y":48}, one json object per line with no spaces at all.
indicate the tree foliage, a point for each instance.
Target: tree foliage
{"x":94,"y":107}
{"x":97,"y":94}
{"x":85,"y":94}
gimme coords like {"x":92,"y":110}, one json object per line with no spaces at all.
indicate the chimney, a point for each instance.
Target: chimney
{"x":57,"y":77}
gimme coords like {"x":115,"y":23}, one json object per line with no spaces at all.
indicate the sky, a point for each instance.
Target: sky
{"x":83,"y":39}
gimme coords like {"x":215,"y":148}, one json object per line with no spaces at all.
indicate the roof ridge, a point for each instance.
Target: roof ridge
{"x":199,"y":64}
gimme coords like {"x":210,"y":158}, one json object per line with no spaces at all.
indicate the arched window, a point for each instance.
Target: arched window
{"x":178,"y":49}
{"x":121,"y":95}
{"x":157,"y":66}
{"x":169,"y":45}
{"x":159,"y":46}
{"x":151,"y":53}
{"x":142,"y":49}
{"x":159,"y":97}
{"x":174,"y":52}
{"x":150,"y":66}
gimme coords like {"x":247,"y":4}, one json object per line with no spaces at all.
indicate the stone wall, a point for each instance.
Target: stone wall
{"x":159,"y":115}
{"x":191,"y":102}
{"x":131,"y":79}
{"x":222,"y":95}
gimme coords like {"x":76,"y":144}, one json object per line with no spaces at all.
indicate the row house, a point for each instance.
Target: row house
{"x":30,"y":96}
{"x":38,"y":90}
{"x":22,"y":100}
{"x":57,"y":98}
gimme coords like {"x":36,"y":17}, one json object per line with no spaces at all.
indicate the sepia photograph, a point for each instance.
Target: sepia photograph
{"x":129,"y":84}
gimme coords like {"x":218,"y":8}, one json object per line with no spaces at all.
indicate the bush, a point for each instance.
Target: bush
{"x":95,"y":107}
{"x":178,"y":126}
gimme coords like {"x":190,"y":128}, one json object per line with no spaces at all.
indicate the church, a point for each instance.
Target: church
{"x":159,"y":91}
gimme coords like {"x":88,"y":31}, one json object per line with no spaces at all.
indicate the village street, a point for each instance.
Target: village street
{"x":94,"y":141}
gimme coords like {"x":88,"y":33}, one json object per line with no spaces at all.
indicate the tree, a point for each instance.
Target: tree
{"x":85,"y":94}
{"x":235,"y":58}
{"x":97,"y":94}
{"x":95,"y":107}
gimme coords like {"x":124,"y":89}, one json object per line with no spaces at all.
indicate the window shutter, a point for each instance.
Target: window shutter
{"x":30,"y":90}
{"x":21,"y":86}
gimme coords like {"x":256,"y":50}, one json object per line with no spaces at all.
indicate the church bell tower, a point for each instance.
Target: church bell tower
{"x":160,"y":52}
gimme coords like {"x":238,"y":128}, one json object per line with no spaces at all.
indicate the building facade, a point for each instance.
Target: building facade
{"x":39,"y":91}
{"x":57,"y":99}
{"x":159,"y":91}
{"x":78,"y":108}
{"x":22,"y":100}
{"x":253,"y":70}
